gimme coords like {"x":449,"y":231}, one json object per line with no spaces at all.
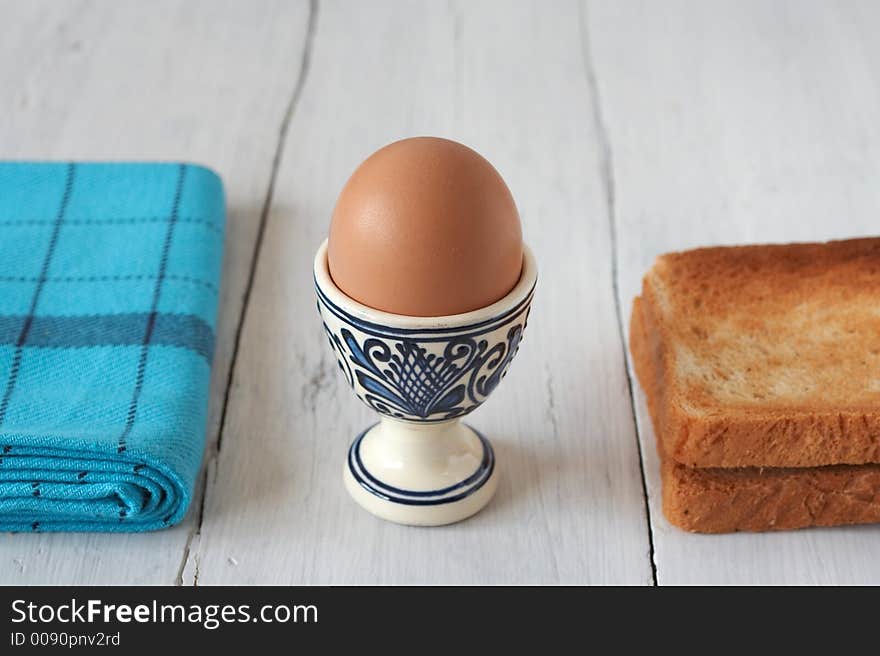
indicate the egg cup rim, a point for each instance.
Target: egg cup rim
{"x":519,"y":295}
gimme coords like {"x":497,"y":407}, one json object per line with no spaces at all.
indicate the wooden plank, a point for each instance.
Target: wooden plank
{"x":198,"y":81}
{"x":511,"y":83}
{"x":735,"y":122}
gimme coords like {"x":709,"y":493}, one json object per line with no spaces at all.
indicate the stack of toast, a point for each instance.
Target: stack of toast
{"x":761,"y":368}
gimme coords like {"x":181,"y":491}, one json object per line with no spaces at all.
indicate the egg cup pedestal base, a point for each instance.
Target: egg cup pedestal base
{"x":421,"y":474}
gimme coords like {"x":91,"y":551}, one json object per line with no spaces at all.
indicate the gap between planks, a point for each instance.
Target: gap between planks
{"x":209,"y":471}
{"x":606,"y":167}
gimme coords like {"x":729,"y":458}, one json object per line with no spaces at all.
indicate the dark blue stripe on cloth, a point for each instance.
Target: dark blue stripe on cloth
{"x":38,"y":289}
{"x":151,"y":318}
{"x":182,"y":330}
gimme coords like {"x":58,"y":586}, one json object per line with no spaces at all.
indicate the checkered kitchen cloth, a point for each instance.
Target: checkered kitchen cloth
{"x":109,"y":278}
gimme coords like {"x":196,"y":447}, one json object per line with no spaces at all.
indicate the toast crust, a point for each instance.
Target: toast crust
{"x":767,"y":356}
{"x":752,"y":499}
{"x":716,"y":500}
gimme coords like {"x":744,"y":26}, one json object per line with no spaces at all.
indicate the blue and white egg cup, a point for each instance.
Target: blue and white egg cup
{"x":420,"y":464}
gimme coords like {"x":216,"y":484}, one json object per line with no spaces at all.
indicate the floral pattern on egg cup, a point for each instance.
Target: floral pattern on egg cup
{"x":420,"y":464}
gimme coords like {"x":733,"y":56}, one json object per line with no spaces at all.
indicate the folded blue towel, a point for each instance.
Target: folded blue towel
{"x":109,"y":277}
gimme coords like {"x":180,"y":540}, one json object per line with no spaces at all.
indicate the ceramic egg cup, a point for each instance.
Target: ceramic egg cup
{"x":420,"y":464}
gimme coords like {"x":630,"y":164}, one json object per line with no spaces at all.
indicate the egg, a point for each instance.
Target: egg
{"x":425,"y":227}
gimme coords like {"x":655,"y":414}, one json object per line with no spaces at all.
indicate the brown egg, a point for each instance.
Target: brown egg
{"x":425,"y":227}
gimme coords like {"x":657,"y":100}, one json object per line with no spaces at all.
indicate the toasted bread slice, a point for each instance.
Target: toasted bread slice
{"x":773,"y":498}
{"x":717,"y":500}
{"x":763,"y":356}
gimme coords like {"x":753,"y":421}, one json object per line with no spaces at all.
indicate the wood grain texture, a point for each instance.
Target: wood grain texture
{"x":512,"y":83}
{"x":737,"y":122}
{"x":196,"y":81}
{"x":714,"y":122}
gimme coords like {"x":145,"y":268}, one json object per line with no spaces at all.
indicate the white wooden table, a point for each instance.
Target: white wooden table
{"x":624,"y":129}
